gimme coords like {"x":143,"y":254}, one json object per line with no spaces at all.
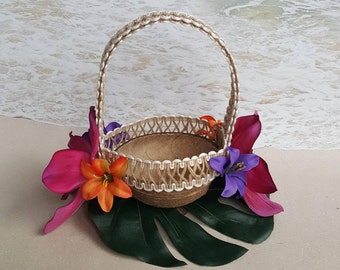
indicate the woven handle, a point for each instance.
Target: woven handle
{"x":174,"y":17}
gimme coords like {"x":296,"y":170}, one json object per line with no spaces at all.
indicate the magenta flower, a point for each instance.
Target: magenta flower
{"x":63,"y":174}
{"x":258,"y":181}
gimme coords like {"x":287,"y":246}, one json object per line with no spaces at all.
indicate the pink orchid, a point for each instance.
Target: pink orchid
{"x":259,"y":181}
{"x":63,"y":175}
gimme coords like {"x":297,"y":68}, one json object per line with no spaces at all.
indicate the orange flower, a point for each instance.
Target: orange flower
{"x":213,"y":125}
{"x":104,"y":181}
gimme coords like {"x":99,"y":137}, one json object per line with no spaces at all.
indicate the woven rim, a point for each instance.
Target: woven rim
{"x":165,"y":175}
{"x":173,"y":17}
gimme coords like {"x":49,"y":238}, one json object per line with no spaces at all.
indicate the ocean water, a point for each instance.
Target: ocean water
{"x":286,"y":53}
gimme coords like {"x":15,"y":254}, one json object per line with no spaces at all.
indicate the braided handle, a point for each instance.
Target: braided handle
{"x":174,"y":17}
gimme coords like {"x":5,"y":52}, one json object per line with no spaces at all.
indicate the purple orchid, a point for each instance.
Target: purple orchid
{"x":257,"y":180}
{"x":235,"y":170}
{"x":63,"y":174}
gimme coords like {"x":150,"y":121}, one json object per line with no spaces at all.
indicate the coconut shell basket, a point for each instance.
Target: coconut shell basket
{"x":170,"y":175}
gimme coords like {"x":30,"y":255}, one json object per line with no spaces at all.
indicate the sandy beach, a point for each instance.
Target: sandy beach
{"x":305,"y":236}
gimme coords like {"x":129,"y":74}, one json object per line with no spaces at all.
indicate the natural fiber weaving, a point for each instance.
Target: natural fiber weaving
{"x":168,"y":157}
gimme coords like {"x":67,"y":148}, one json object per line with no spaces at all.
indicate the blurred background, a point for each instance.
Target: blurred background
{"x":286,"y":53}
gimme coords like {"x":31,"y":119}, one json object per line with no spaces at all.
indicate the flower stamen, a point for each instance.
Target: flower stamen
{"x":107,"y":178}
{"x":236,"y":168}
{"x":240,"y":166}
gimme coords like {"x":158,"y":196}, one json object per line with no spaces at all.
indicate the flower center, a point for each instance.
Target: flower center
{"x":236,"y":167}
{"x":107,"y":178}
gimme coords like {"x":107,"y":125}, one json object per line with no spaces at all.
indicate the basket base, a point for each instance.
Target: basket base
{"x":168,"y":146}
{"x":170,"y":199}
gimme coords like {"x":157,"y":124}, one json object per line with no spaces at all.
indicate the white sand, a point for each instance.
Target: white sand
{"x":306,"y":235}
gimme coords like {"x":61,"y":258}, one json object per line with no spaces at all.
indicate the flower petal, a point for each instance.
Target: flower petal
{"x":241,"y":184}
{"x":100,"y":166}
{"x":234,"y":155}
{"x":105,"y":200}
{"x":208,"y":118}
{"x":62,"y":174}
{"x":249,"y":160}
{"x":246,"y":131}
{"x":260,"y":204}
{"x":218,"y":163}
{"x":93,"y":132}
{"x":79,"y":143}
{"x":87,"y":170}
{"x":118,"y":167}
{"x":260,"y":180}
{"x":111,"y":126}
{"x":92,"y":188}
{"x":230,"y":185}
{"x":64,"y":212}
{"x":120,"y":189}
{"x":211,"y":120}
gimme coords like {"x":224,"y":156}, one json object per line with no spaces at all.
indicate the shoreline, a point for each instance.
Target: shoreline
{"x":306,"y":233}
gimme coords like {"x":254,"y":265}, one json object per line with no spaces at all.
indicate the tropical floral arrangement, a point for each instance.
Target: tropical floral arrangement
{"x":237,"y":203}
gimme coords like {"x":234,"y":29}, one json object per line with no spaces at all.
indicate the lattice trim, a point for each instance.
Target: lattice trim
{"x":160,"y":125}
{"x":165,"y":175}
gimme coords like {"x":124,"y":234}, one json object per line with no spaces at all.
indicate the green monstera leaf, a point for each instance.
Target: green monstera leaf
{"x":231,"y":217}
{"x":131,"y":229}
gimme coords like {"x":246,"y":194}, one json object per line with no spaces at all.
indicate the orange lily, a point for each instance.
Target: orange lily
{"x":104,"y":181}
{"x":212,"y":125}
